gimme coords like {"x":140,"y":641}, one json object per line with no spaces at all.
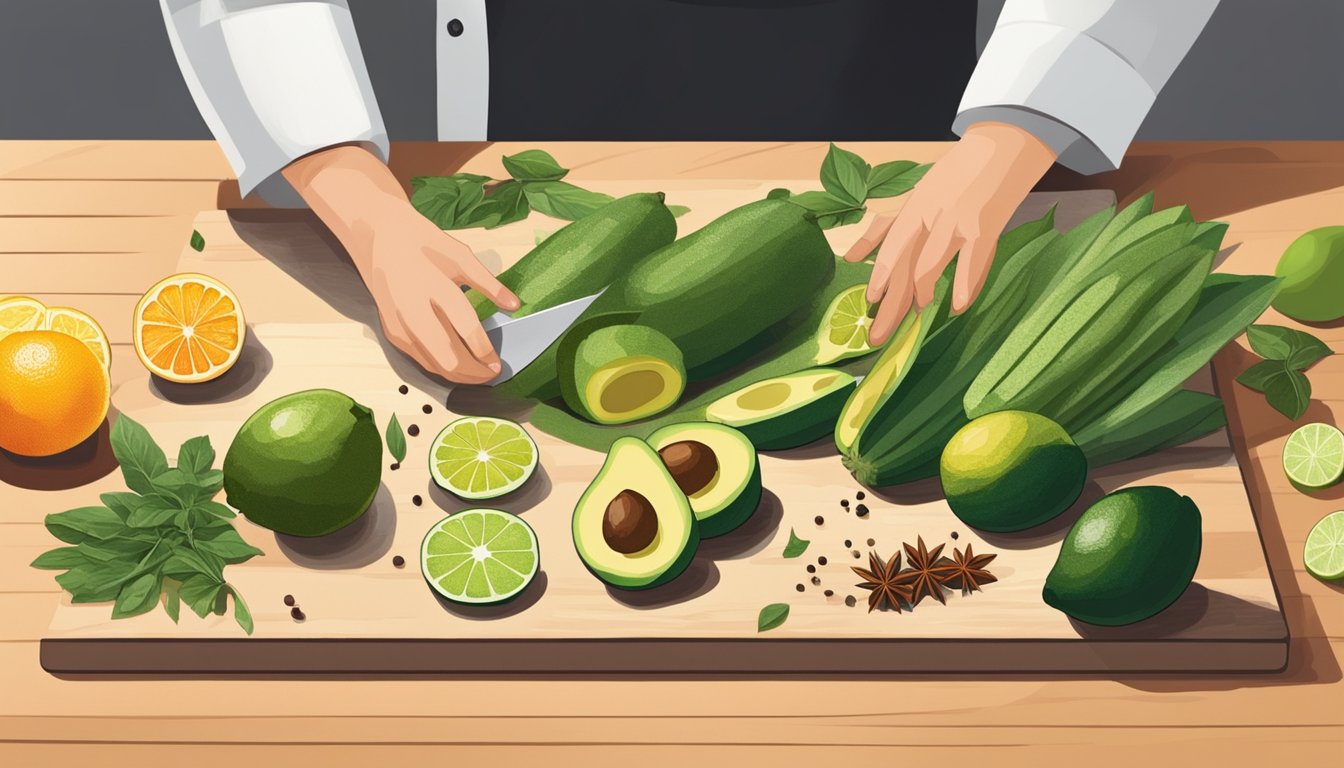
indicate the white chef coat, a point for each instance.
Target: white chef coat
{"x":279,"y":79}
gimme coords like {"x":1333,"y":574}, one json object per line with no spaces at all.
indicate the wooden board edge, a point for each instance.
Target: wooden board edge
{"x":367,"y":657}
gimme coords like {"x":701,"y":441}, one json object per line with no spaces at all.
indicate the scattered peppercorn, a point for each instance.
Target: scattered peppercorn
{"x":811,"y":568}
{"x":844,"y":503}
{"x":861,"y":511}
{"x":819,"y":520}
{"x":403,"y":389}
{"x":816,"y":581}
{"x":801,"y":588}
{"x":395,"y":466}
{"x":416,"y":500}
{"x":871,"y":542}
{"x":848,"y":544}
{"x":828,"y":592}
{"x":289,"y":599}
{"x":850,"y":601}
{"x":859,"y":495}
{"x":955,"y":536}
{"x":856,"y":554}
{"x":427,"y":408}
{"x":398,"y":561}
{"x":413,"y":430}
{"x":297,"y":614}
{"x":821,"y":560}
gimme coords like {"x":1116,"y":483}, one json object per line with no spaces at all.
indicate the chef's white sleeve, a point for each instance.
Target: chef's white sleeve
{"x":1080,"y":75}
{"x":275,"y":80}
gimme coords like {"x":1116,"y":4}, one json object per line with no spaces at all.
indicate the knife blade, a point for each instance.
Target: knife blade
{"x":520,"y":340}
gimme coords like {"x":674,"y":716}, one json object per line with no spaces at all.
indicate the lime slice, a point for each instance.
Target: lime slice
{"x":1313,"y":457}
{"x":844,"y":329}
{"x":480,"y":556}
{"x":1324,"y":553}
{"x":481,"y":457}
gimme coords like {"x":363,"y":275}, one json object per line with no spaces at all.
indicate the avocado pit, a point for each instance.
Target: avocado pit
{"x":630,"y":524}
{"x":692,"y":465}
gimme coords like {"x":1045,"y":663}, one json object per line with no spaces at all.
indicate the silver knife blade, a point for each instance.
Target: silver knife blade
{"x":520,"y":340}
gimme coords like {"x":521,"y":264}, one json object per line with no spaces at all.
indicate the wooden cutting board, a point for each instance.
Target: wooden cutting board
{"x":312,"y":325}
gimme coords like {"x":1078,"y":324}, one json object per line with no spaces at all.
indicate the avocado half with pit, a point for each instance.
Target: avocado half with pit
{"x":616,"y":374}
{"x":715,"y":466}
{"x":633,"y":526}
{"x":786,"y":411}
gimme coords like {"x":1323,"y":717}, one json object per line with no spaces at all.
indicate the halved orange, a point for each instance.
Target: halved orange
{"x":74,"y":323}
{"x":20,"y":313}
{"x":189,"y":328}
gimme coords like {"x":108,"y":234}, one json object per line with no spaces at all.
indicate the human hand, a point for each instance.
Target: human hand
{"x":413,"y":270}
{"x":961,"y":204}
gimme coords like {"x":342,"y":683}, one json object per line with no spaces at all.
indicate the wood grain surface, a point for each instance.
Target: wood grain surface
{"x":1269,"y":193}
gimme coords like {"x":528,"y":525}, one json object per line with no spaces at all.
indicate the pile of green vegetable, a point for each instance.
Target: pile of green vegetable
{"x":1096,"y":329}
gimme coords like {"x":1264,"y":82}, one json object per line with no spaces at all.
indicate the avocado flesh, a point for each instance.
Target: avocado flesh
{"x":732,"y":495}
{"x":786,"y":411}
{"x":633,"y":465}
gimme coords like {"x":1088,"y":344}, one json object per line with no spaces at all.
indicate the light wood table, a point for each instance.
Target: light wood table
{"x":92,"y":224}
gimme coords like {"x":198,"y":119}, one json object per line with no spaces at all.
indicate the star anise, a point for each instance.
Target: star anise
{"x":967,"y":571}
{"x":880,"y":579}
{"x":922,"y":576}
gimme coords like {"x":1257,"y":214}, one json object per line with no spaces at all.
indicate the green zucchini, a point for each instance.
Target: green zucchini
{"x":719,"y":293}
{"x":786,"y":411}
{"x":584,"y":257}
{"x":622,"y":373}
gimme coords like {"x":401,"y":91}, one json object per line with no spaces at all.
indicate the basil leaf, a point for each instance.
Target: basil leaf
{"x":845,"y":175}
{"x":141,"y":459}
{"x":1259,"y":376}
{"x":241,"y":614}
{"x":130,"y":550}
{"x":1270,"y":341}
{"x":172,"y":599}
{"x":83,"y":524}
{"x":819,"y":202}
{"x":197,"y":242}
{"x":396,"y":439}
{"x":60,"y":559}
{"x":1289,"y":394}
{"x":196,"y":456}
{"x":832,"y":220}
{"x":186,"y":563}
{"x":137,"y":596}
{"x":96,"y":582}
{"x":772,"y":616}
{"x":179,"y":488}
{"x":504,"y":204}
{"x":533,"y":165}
{"x":154,"y":513}
{"x":228,"y":546}
{"x":446,"y":200}
{"x":200,"y":593}
{"x":796,"y":546}
{"x":563,"y":200}
{"x":895,"y":178}
{"x":123,"y":503}
{"x":212,"y":510}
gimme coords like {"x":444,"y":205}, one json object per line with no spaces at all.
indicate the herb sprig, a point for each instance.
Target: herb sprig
{"x":849,"y":182}
{"x":1280,"y":376}
{"x":467,"y":200}
{"x":165,"y":537}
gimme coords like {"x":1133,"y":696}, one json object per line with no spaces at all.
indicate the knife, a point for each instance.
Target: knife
{"x":520,"y":340}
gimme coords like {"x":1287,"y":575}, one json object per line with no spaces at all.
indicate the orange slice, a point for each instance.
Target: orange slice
{"x":20,"y":313}
{"x":189,"y":328}
{"x":72,"y":322}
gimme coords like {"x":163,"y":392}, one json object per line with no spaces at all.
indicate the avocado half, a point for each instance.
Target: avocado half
{"x":727,"y":497}
{"x":633,"y":527}
{"x":786,"y":411}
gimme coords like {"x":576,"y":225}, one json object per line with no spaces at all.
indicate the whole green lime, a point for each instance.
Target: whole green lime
{"x":1127,"y":558}
{"x":1312,"y":272}
{"x":306,"y":464}
{"x":1011,"y":470}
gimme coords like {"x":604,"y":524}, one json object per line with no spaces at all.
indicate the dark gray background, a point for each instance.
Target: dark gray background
{"x":103,"y":69}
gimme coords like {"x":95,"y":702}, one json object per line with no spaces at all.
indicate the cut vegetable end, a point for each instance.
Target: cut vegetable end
{"x":633,"y":389}
{"x":894,"y":361}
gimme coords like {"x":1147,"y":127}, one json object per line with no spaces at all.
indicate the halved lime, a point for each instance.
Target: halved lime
{"x":480,"y":457}
{"x":480,"y":556}
{"x":1324,"y":552}
{"x":1313,"y":457}
{"x":844,"y":329}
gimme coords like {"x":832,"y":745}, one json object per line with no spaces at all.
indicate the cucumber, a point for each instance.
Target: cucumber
{"x":715,"y":293}
{"x":622,"y":373}
{"x":786,"y":411}
{"x":587,"y":255}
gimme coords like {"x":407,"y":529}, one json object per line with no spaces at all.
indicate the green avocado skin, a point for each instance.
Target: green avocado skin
{"x":1127,"y":558}
{"x":584,"y":257}
{"x":607,"y":345}
{"x":806,"y":422}
{"x":715,"y":291}
{"x":314,"y":478}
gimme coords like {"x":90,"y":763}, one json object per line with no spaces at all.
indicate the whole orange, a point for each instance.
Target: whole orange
{"x":53,"y":393}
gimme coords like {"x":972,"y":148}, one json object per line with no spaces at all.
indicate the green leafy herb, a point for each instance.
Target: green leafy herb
{"x":796,"y":546}
{"x":849,"y":182}
{"x":197,"y":242}
{"x":167,"y":537}
{"x":895,"y":178}
{"x":845,"y":175}
{"x":468,"y":200}
{"x":1287,"y":353}
{"x":772,"y":616}
{"x":396,"y":440}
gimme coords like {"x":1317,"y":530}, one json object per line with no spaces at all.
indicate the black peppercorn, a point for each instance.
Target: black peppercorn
{"x":850,"y":601}
{"x":811,"y":568}
{"x":395,"y":466}
{"x":297,"y":614}
{"x":844,"y":503}
{"x":821,"y":560}
{"x":848,"y":543}
{"x":801,"y":588}
{"x":816,"y":581}
{"x":413,"y":430}
{"x":289,"y":599}
{"x":861,"y":511}
{"x":416,"y":500}
{"x":856,"y":554}
{"x":828,"y":592}
{"x":427,"y":408}
{"x":818,"y":519}
{"x":954,"y":536}
{"x":859,"y":495}
{"x":398,"y":561}
{"x":871,"y":542}
{"x":403,"y":389}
